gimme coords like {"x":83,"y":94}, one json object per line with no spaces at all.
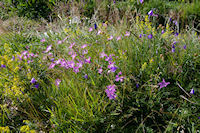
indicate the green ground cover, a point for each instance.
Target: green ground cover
{"x":131,"y":76}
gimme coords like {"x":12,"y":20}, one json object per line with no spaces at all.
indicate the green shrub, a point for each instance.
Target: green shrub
{"x":33,"y":9}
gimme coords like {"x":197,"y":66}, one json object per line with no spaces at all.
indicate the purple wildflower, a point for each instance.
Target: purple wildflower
{"x":127,"y":33}
{"x":175,"y":22}
{"x":109,"y":58}
{"x":24,"y":53}
{"x":163,"y":84}
{"x":70,"y":52}
{"x":100,"y":70}
{"x":22,"y":93}
{"x":176,"y":34}
{"x":85,"y":52}
{"x":43,"y":40}
{"x":112,"y":64}
{"x":120,"y":73}
{"x":174,"y":42}
{"x":155,"y":15}
{"x":86,"y":76}
{"x":58,"y":61}
{"x":173,"y":47}
{"x":95,"y":26}
{"x":79,"y":64}
{"x":71,"y":64}
{"x":73,"y":56}
{"x":71,"y":45}
{"x":52,"y":65}
{"x":140,"y":36}
{"x":150,"y":13}
{"x":150,"y":36}
{"x":3,"y":66}
{"x":110,"y":38}
{"x":29,"y":61}
{"x":112,"y":67}
{"x":33,"y":81}
{"x":36,"y":86}
{"x":99,"y":32}
{"x":76,"y":69}
{"x":59,"y":42}
{"x":90,"y":29}
{"x":50,"y":54}
{"x":48,"y":49}
{"x":20,"y":57}
{"x":63,"y":63}
{"x":137,"y":85}
{"x":84,"y":46}
{"x":141,"y":1}
{"x":110,"y":91}
{"x":162,"y":32}
{"x":192,"y":91}
{"x":119,"y":78}
{"x":102,"y":55}
{"x":52,"y":59}
{"x":57,"y":82}
{"x":13,"y":58}
{"x":118,"y":38}
{"x":25,"y":57}
{"x":184,"y":46}
{"x":88,"y":60}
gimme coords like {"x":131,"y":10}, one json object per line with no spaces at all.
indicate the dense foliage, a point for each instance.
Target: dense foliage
{"x":186,"y":12}
{"x":132,"y":76}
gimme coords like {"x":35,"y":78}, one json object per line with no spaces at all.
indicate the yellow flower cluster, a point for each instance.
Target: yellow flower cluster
{"x":26,"y":128}
{"x":145,"y":27}
{"x":10,"y":80}
{"x":4,"y":129}
{"x":167,"y":33}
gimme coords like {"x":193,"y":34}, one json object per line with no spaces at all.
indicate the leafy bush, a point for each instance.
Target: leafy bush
{"x":32,"y":9}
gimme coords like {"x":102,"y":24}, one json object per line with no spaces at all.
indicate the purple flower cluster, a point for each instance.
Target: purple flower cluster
{"x":57,"y":82}
{"x":25,"y":55}
{"x":173,"y":46}
{"x":119,"y":78}
{"x":112,"y":67}
{"x":110,"y":91}
{"x":76,"y":62}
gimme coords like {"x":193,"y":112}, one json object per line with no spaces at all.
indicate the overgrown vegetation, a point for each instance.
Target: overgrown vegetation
{"x":126,"y":75}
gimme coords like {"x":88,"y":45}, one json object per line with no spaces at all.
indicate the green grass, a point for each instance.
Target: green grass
{"x":81,"y":104}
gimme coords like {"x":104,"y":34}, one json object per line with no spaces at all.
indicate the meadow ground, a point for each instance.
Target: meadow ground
{"x":99,"y":77}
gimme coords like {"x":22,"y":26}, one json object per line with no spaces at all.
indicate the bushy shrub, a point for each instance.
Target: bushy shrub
{"x":33,"y":9}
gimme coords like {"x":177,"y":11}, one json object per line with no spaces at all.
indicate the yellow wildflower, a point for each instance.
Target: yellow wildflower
{"x":144,"y":66}
{"x":24,"y":128}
